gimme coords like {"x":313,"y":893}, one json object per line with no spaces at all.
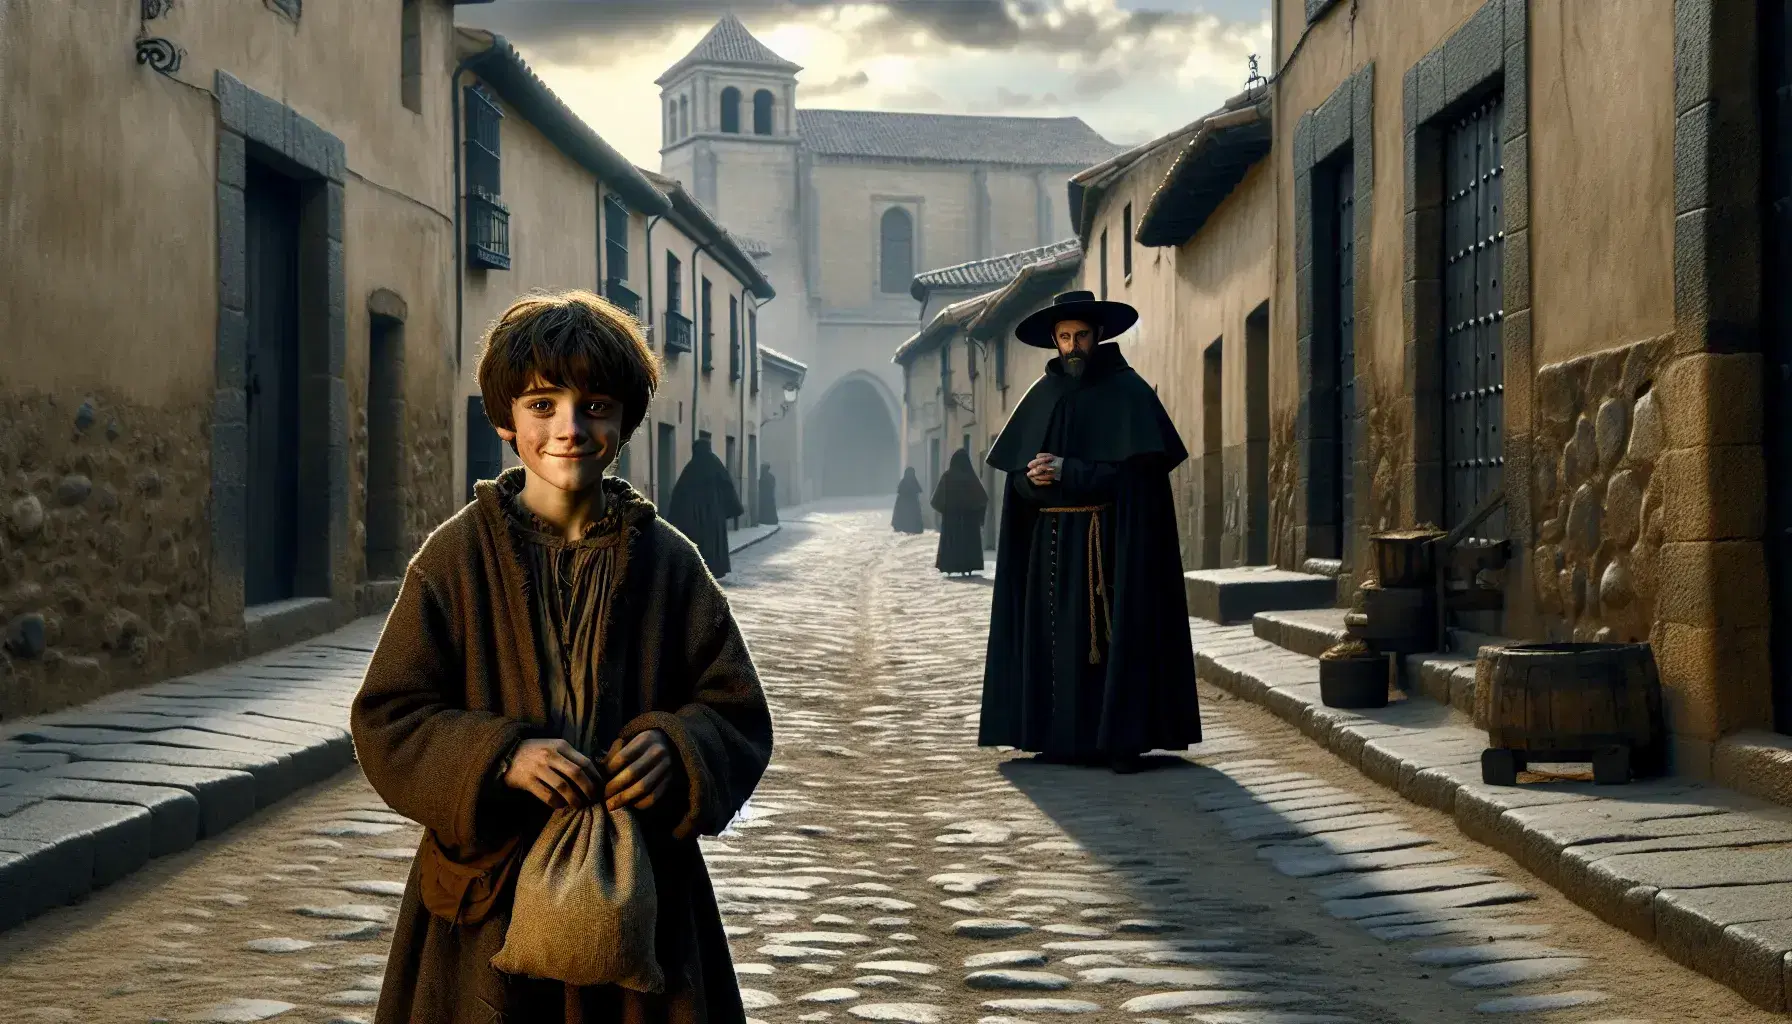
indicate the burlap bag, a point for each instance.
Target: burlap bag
{"x":585,"y":905}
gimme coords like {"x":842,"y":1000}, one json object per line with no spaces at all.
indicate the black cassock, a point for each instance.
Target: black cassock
{"x":906,"y":518}
{"x":768,"y":496}
{"x":703,"y":501}
{"x":1089,"y":653}
{"x":960,"y":500}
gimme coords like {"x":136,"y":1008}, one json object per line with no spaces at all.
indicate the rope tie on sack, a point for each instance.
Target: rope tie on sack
{"x":1097,"y":576}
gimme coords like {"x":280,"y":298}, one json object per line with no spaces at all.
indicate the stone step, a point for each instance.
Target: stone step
{"x":1234,"y":595}
{"x":1307,"y":631}
{"x":1700,"y":870}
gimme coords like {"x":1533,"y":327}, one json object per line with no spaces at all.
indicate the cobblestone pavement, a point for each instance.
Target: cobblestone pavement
{"x":888,"y":870}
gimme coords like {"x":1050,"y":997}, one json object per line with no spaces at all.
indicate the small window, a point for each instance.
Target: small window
{"x":410,"y":56}
{"x":684,"y":116}
{"x":733,"y":338}
{"x":674,"y":284}
{"x":1126,"y":241}
{"x":1104,"y":264}
{"x":672,"y":121}
{"x":897,"y":250}
{"x":709,"y":334}
{"x":762,"y":112}
{"x":731,"y":110}
{"x":616,"y":278}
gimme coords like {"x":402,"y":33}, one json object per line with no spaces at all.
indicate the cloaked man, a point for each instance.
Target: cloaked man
{"x":1089,"y":660}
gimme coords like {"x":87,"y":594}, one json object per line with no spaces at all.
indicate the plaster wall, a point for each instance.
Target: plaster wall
{"x":105,"y":475}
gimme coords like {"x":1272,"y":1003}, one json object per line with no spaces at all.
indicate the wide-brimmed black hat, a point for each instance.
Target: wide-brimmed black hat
{"x":1108,"y":318}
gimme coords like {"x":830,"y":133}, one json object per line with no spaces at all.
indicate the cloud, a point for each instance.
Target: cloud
{"x":844,"y":84}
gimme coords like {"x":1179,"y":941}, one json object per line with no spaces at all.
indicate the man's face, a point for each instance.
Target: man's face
{"x":1075,"y":340}
{"x":565,"y":438}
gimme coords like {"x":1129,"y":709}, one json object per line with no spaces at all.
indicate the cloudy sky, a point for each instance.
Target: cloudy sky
{"x":1133,"y":69}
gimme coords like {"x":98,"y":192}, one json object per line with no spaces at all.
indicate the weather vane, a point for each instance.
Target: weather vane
{"x":1256,"y":78}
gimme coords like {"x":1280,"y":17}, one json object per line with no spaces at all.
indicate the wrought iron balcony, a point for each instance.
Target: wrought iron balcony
{"x":488,"y":231}
{"x":623,"y":296}
{"x":678,"y":332}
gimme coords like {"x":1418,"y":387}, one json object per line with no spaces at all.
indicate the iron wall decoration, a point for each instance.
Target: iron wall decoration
{"x":160,"y":54}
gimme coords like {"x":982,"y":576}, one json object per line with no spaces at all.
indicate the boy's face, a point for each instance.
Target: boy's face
{"x":566,"y":438}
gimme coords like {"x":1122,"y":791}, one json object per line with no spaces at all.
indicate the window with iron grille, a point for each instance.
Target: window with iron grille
{"x":1126,"y":242}
{"x":488,"y":219}
{"x":1335,"y":323}
{"x":753,"y":346}
{"x":1472,"y":350}
{"x":678,"y":326}
{"x":708,"y":325}
{"x":733,"y":338}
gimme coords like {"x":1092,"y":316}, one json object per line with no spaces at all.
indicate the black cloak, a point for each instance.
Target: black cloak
{"x":703,"y":501}
{"x":1089,"y":657}
{"x":768,"y":496}
{"x":907,"y":517}
{"x":960,"y":500}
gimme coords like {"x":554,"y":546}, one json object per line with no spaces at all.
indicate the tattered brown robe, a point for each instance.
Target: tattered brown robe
{"x":456,"y":682}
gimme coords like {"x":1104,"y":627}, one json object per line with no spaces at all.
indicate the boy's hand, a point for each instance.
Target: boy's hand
{"x":554,"y":772}
{"x":641,"y":772}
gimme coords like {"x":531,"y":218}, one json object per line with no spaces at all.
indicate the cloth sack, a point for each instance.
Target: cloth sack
{"x":585,"y":904}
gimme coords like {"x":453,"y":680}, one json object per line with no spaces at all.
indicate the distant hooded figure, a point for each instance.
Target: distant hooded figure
{"x":960,"y":500}
{"x":907,"y":517}
{"x":768,"y":496}
{"x":702,"y":502}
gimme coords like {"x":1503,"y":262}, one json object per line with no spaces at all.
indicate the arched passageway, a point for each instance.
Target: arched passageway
{"x":850,"y":443}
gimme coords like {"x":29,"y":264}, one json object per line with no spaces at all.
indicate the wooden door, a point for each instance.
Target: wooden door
{"x":1473,"y":352}
{"x":271,"y":554}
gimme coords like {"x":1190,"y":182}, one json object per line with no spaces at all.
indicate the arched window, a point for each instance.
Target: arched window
{"x":731,"y":110}
{"x":896,"y":236}
{"x":684,"y":116}
{"x":762,"y":112}
{"x":672,"y":121}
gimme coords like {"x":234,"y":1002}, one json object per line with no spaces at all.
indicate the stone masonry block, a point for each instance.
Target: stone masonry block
{"x":1520,"y":377}
{"x":1739,"y":935}
{"x":1303,"y":144}
{"x":1362,"y":100}
{"x":233,"y":101}
{"x":1518,"y":23}
{"x":1715,"y":493}
{"x":1716,"y":309}
{"x":1515,"y":105}
{"x":115,"y":839}
{"x":265,"y":121}
{"x":233,"y":244}
{"x":1331,"y":124}
{"x":1516,"y":153}
{"x":334,"y":201}
{"x":1516,"y":256}
{"x":306,"y":143}
{"x":1409,"y":101}
{"x":335,"y":309}
{"x":1713,"y":584}
{"x":1304,"y":300}
{"x":230,"y":453}
{"x":1714,"y":680}
{"x":174,"y":813}
{"x":1693,"y":157}
{"x":1476,"y":53}
{"x":1692,"y":53}
{"x":1429,"y":87}
{"x":229,"y":532}
{"x":233,"y":160}
{"x":231,"y":361}
{"x":230,"y":407}
{"x":1316,"y":9}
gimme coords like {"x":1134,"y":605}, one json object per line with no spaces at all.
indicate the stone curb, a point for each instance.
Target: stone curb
{"x":91,"y":794}
{"x":1703,"y":872}
{"x":735,"y":548}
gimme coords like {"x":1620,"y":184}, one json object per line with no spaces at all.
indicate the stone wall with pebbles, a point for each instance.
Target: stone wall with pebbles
{"x":1599,"y":531}
{"x":105,"y":546}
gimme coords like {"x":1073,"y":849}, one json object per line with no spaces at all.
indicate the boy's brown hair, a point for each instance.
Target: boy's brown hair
{"x":572,"y":339}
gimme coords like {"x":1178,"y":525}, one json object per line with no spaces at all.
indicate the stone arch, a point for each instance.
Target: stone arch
{"x":762,"y":112}
{"x":731,"y":110}
{"x":851,"y":440}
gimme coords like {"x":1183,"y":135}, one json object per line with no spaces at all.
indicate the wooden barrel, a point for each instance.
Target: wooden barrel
{"x":1399,"y":613}
{"x":1572,"y":699}
{"x":1403,"y":557}
{"x":1360,"y":682}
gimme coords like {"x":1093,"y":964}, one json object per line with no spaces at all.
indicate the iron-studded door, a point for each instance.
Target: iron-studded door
{"x":1344,"y":342}
{"x":271,"y":554}
{"x":1473,"y":356}
{"x":1776,"y":110}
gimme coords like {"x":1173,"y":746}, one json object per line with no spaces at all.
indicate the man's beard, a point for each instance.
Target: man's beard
{"x":1075,"y":363}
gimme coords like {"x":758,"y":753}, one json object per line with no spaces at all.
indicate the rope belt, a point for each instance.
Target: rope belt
{"x":1097,"y":576}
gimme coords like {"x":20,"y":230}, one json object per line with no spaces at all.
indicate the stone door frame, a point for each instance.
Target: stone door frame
{"x":258,"y":127}
{"x":1344,"y":122}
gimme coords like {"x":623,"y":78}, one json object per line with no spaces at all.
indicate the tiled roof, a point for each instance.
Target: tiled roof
{"x":1027,"y":292}
{"x":940,"y":327}
{"x":729,"y":42}
{"x":989,"y":273}
{"x":1210,"y":167}
{"x":959,"y":138}
{"x":695,"y":220}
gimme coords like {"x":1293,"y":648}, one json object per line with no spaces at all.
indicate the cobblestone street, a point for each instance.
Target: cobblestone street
{"x":888,"y":870}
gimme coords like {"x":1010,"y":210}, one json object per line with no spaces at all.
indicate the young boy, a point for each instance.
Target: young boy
{"x":553,"y":644}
